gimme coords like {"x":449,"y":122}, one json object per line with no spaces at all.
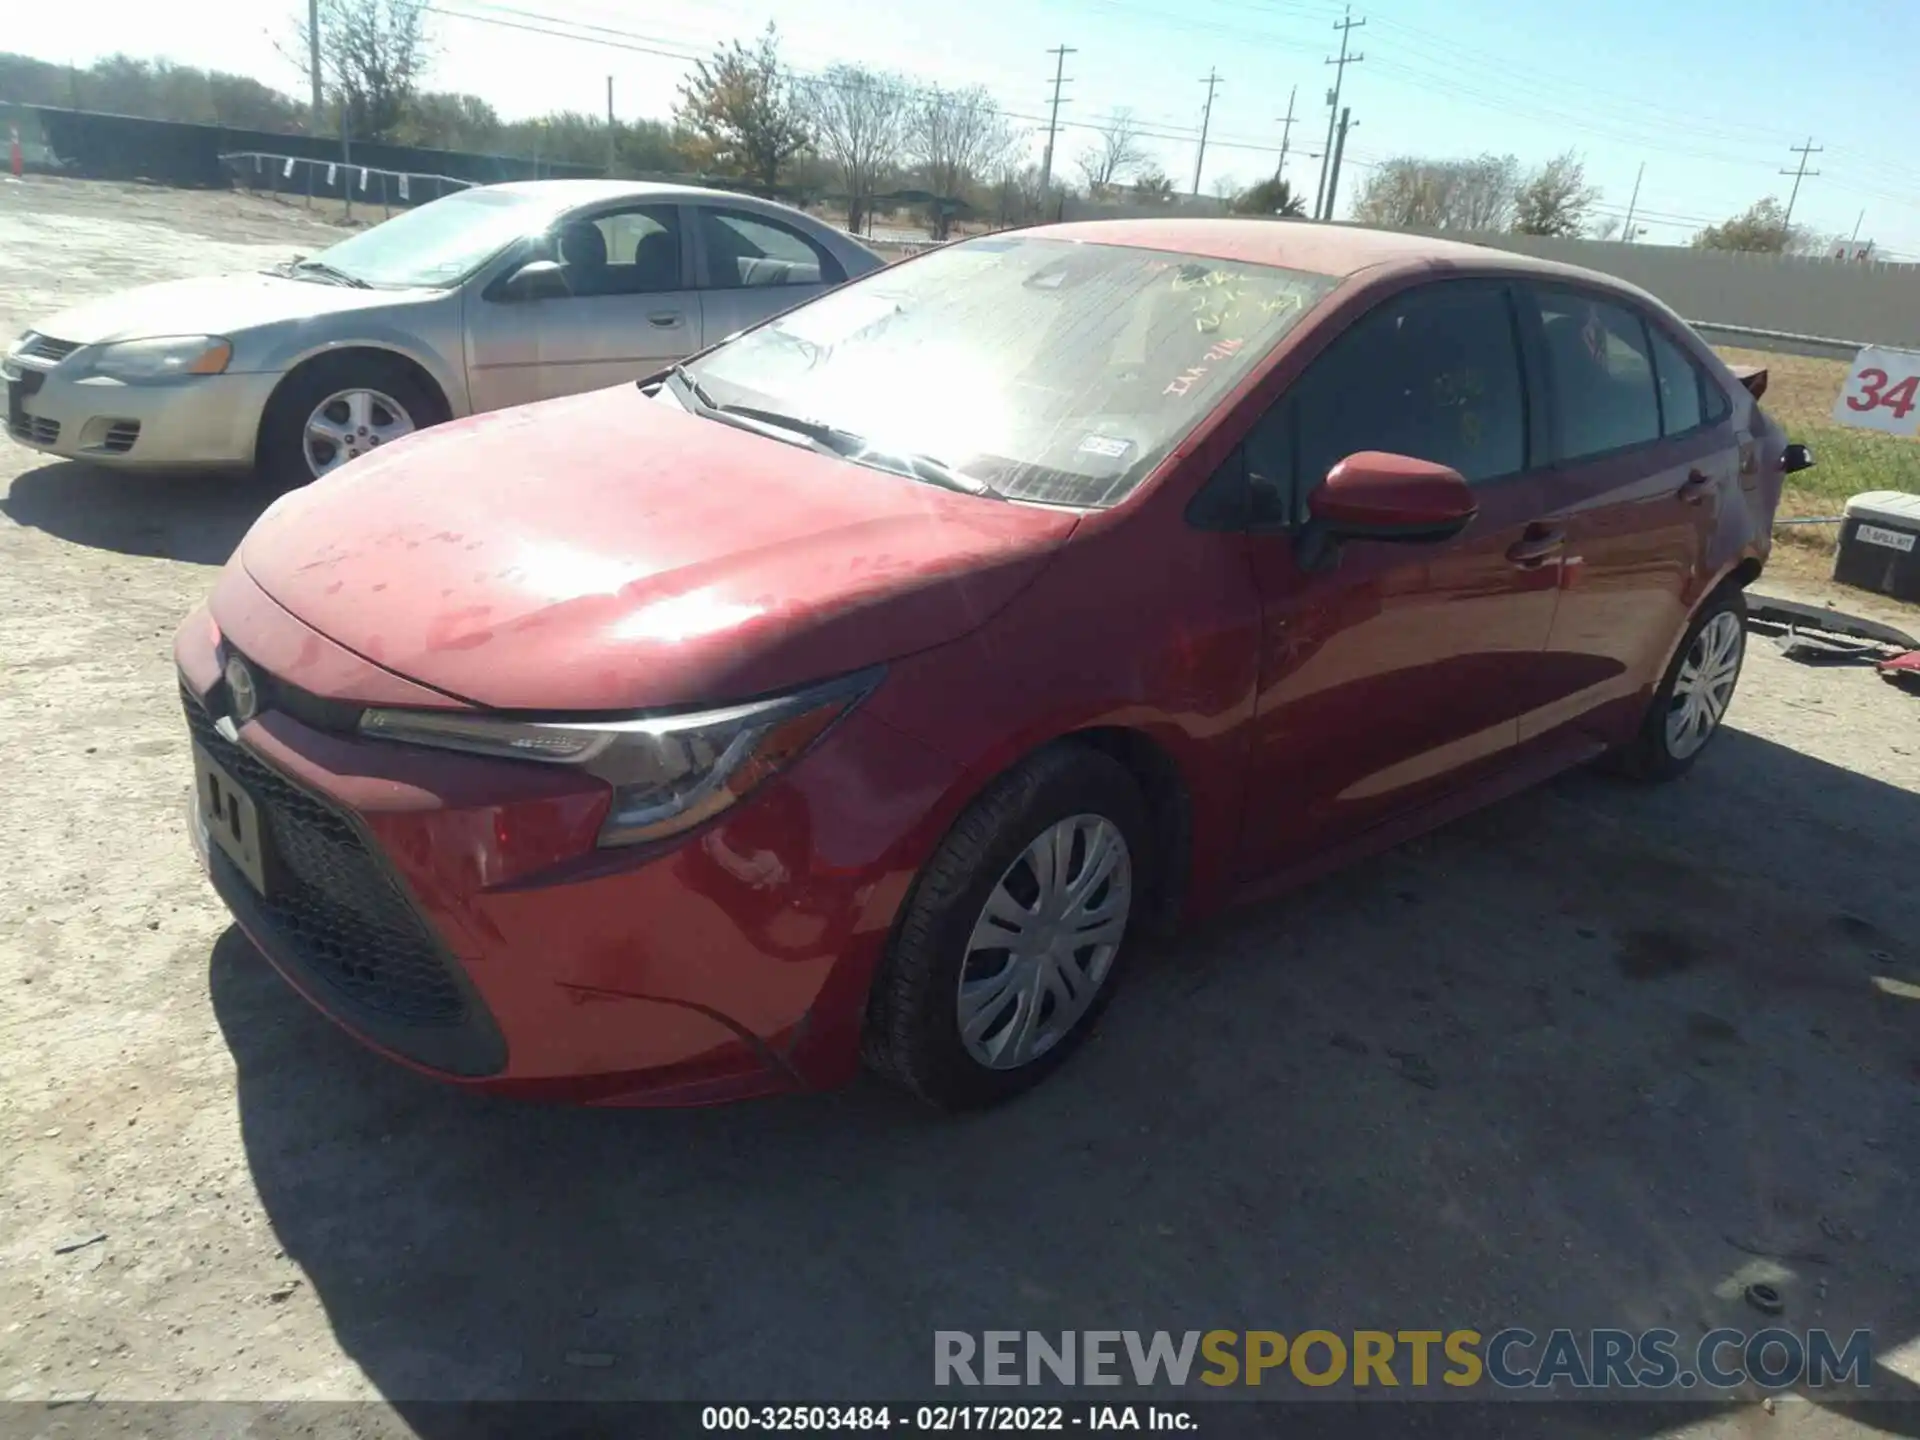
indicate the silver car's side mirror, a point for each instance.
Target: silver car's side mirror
{"x":536,"y":280}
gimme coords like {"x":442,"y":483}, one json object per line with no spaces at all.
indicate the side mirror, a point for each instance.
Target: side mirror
{"x":1373,"y":495}
{"x":1796,"y":457}
{"x":536,"y":280}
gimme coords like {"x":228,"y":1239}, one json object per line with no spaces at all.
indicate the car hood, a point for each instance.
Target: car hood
{"x":611,"y":552}
{"x":215,"y":305}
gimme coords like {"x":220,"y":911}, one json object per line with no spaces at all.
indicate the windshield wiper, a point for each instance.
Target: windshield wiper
{"x":832,"y":440}
{"x":849,"y":446}
{"x":938,"y":472}
{"x":678,"y":371}
{"x":330,"y":272}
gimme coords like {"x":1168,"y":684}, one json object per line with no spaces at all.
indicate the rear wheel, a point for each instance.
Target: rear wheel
{"x":1011,"y":939}
{"x":337,"y":409}
{"x":1695,"y":694}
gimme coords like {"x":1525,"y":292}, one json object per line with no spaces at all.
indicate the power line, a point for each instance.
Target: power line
{"x":1212,"y":82}
{"x":1799,"y":173}
{"x":654,"y":45}
{"x":1059,"y":53}
{"x":1888,"y":182}
{"x":1346,"y":25}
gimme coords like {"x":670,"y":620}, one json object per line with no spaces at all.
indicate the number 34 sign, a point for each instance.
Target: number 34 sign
{"x":1882,"y":392}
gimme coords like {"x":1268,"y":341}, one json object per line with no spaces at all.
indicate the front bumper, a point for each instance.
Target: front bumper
{"x":509,"y":953}
{"x":206,"y":421}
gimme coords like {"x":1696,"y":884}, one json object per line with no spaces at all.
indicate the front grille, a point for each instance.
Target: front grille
{"x":120,"y":436}
{"x":35,"y":430}
{"x":45,"y":347}
{"x":331,"y":903}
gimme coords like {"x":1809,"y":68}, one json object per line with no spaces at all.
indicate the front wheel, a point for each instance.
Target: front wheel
{"x":1010,"y":941}
{"x":1693,"y":698}
{"x":337,"y":409}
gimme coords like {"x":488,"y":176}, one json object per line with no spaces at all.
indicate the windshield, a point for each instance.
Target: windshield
{"x":1048,"y":370}
{"x":442,"y":242}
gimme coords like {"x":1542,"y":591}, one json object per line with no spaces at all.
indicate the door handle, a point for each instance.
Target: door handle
{"x":1696,"y":487}
{"x":1540,"y":544}
{"x":665,"y":319}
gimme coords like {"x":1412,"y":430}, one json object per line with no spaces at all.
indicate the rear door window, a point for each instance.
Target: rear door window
{"x":1600,"y":374}
{"x":1682,"y":386}
{"x":746,"y":252}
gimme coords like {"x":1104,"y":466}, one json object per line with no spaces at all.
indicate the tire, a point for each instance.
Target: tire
{"x":281,"y":456}
{"x":913,"y":1031}
{"x":1656,"y":753}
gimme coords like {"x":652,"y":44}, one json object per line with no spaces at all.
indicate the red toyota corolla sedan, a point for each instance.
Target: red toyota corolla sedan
{"x":863,"y":688}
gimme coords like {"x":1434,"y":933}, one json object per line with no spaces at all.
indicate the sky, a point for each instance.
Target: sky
{"x":1708,"y":95}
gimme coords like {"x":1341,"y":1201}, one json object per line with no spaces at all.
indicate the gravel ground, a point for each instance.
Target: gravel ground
{"x":1597,"y":1056}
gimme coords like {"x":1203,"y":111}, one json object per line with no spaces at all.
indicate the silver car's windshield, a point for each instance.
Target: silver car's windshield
{"x":443,"y":241}
{"x":1043,"y":370}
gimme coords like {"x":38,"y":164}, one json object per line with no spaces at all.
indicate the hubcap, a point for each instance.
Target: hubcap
{"x":349,"y":423}
{"x":1045,"y":942}
{"x":1704,"y":687}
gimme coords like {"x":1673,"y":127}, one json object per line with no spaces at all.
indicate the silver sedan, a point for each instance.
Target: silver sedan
{"x":491,"y":297}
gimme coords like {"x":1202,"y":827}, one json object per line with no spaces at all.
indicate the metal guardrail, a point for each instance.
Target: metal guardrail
{"x":300,"y":174}
{"x":1820,"y":347}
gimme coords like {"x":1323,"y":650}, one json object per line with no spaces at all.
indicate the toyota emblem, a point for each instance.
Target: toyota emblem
{"x":241,"y":690}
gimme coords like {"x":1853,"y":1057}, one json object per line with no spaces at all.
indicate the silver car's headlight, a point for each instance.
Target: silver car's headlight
{"x":668,"y":772}
{"x":162,"y":358}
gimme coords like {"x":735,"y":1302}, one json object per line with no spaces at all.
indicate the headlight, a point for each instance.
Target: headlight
{"x":668,"y":772}
{"x":164,"y":358}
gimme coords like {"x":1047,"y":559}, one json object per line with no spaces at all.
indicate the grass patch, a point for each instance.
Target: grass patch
{"x":1800,"y":395}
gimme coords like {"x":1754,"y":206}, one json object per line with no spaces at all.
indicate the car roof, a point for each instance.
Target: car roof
{"x":1321,"y":249}
{"x":585,"y":192}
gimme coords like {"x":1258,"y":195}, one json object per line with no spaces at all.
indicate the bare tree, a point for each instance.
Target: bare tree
{"x":741,"y":110}
{"x":860,"y":125}
{"x":1115,"y":157}
{"x":373,"y":54}
{"x":955,"y":137}
{"x":1226,"y":188}
{"x":1415,"y":194}
{"x":1020,"y":198}
{"x":1556,"y":199}
{"x":1603,"y":227}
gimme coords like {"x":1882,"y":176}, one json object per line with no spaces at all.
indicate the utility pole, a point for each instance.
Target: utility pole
{"x":1800,"y":173}
{"x":1626,"y":232}
{"x":1339,"y":150}
{"x":1212,"y":82}
{"x":1059,"y":53}
{"x":613,"y":137}
{"x":1346,"y":27}
{"x":313,"y":63}
{"x":346,"y":156}
{"x":1286,"y":131}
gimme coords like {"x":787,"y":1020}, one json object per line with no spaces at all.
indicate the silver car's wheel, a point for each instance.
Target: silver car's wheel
{"x":1703,"y":688}
{"x":1044,"y":942}
{"x":349,"y":423}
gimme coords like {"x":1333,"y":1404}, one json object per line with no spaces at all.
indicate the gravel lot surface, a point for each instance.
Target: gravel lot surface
{"x":1598,"y":1056}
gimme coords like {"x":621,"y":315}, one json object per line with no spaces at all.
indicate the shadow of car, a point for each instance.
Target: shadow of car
{"x":199,"y":518}
{"x":1440,"y":1090}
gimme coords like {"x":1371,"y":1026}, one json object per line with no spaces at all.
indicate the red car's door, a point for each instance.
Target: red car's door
{"x":1645,"y":455}
{"x":1399,"y":673}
